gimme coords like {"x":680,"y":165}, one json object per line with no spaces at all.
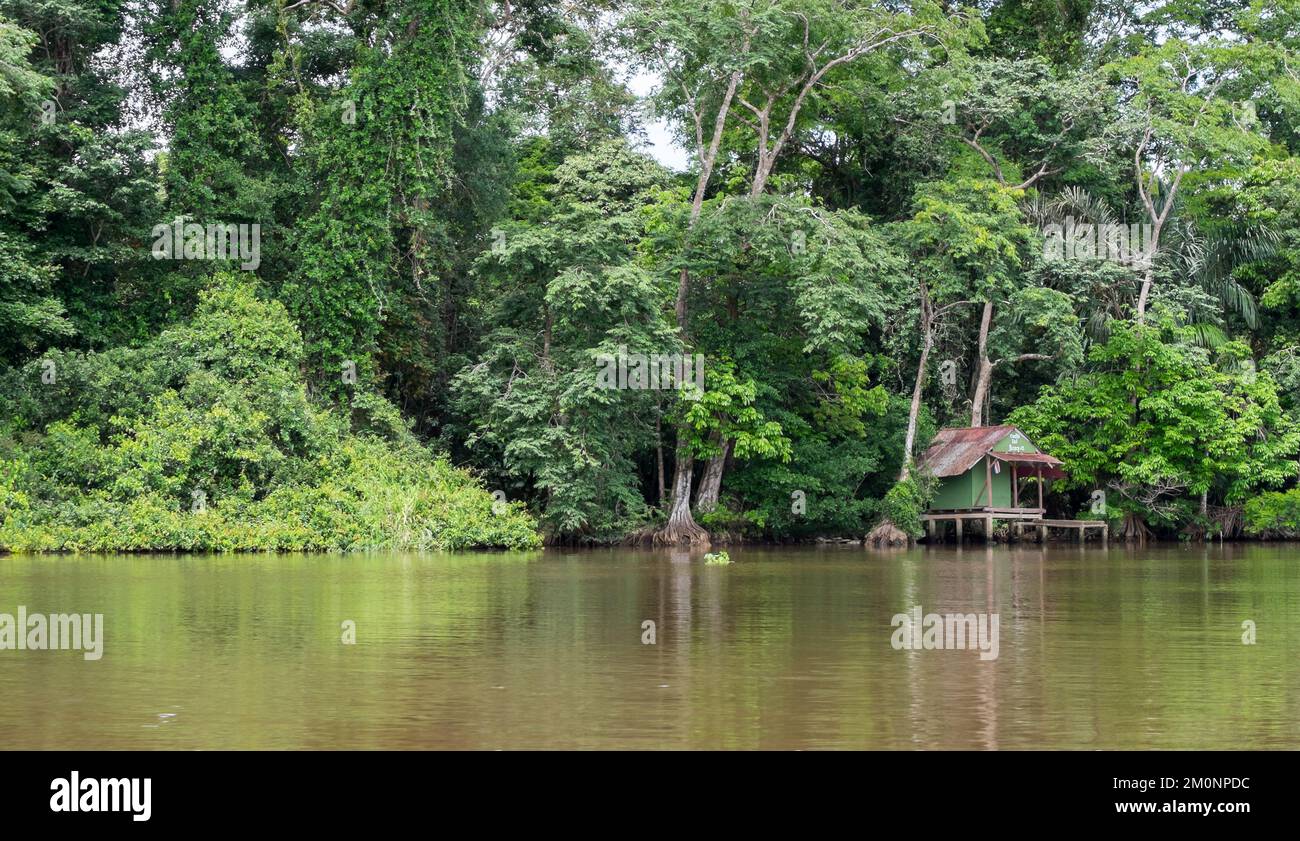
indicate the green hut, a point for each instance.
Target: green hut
{"x":989,"y":473}
{"x":987,"y":467}
{"x":984,"y":473}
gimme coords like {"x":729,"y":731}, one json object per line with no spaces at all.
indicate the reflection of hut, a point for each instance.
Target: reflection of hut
{"x":984,"y":473}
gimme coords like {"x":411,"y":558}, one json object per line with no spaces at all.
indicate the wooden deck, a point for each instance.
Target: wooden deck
{"x":1019,"y":519}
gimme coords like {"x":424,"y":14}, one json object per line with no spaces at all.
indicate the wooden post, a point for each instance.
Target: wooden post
{"x":1040,"y":489}
{"x":988,"y":481}
{"x":957,"y":521}
{"x":1015,"y":486}
{"x":1042,"y":535}
{"x":929,"y":530}
{"x":988,"y":529}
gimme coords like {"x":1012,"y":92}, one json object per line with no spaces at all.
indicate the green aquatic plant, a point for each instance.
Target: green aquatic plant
{"x":717,"y":559}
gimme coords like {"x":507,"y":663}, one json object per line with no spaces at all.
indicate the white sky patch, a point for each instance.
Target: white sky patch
{"x":660,"y":143}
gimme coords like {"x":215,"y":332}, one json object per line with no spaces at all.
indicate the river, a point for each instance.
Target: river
{"x":1124,"y":647}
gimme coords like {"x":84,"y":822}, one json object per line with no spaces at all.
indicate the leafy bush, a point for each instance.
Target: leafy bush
{"x":1161,"y":421}
{"x":1273,"y":514}
{"x":904,"y":504}
{"x":206,"y":440}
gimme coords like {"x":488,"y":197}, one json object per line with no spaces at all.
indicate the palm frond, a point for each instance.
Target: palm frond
{"x":1208,"y":336}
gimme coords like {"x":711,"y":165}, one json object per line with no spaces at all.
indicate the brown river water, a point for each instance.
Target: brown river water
{"x":785,"y":648}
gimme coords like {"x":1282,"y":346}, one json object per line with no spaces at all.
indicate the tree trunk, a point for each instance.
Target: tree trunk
{"x":1149,"y":250}
{"x":1142,"y":296}
{"x":681,"y":527}
{"x":886,"y":534}
{"x":914,"y":411}
{"x":762,"y":170}
{"x":706,"y":498}
{"x":1134,"y":529}
{"x":659,"y":459}
{"x":984,"y":373}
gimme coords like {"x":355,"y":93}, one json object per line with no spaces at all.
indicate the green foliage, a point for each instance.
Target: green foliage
{"x":717,"y":559}
{"x":206,"y":440}
{"x":454,"y":205}
{"x":1159,"y":422}
{"x":970,"y":238}
{"x":1055,"y":31}
{"x":726,"y":410}
{"x":1274,"y":514}
{"x":78,"y":193}
{"x":378,"y":153}
{"x":904,"y":504}
{"x":565,"y":290}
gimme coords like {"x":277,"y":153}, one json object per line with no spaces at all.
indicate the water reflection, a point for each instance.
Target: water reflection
{"x":786,"y":648}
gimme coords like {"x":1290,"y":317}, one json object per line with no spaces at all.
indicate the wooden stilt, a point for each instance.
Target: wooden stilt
{"x":958,"y":522}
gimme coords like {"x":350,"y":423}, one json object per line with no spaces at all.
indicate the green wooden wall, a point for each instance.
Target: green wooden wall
{"x":967,"y":490}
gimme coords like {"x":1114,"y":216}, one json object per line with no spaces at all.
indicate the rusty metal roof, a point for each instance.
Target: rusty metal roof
{"x":956,"y":450}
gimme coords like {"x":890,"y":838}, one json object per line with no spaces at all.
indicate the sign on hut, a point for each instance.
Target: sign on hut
{"x":989,"y":473}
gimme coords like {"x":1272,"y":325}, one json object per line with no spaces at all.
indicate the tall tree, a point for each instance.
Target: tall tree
{"x":377,"y":155}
